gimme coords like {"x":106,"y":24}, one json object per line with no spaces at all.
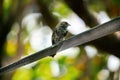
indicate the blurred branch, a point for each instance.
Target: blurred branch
{"x":112,"y":75}
{"x":48,"y":17}
{"x":81,"y":9}
{"x":1,"y":7}
{"x":92,"y":34}
{"x":1,"y":2}
{"x":112,"y":9}
{"x":15,"y":14}
{"x":6,"y":24}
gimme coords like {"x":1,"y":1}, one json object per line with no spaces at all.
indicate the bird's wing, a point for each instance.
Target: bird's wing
{"x":65,"y":33}
{"x":55,"y":36}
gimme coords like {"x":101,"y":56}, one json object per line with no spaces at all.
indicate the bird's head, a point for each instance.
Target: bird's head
{"x":64,"y":24}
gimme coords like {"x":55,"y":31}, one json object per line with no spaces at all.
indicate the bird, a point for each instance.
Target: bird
{"x":59,"y":33}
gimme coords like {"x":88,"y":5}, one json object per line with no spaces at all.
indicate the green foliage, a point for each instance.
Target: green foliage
{"x":18,"y":39}
{"x":61,"y":9}
{"x":7,"y":8}
{"x":116,"y":2}
{"x":23,"y":73}
{"x":96,"y":5}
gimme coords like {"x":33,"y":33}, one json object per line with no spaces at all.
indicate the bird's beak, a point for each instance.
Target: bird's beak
{"x":69,"y":25}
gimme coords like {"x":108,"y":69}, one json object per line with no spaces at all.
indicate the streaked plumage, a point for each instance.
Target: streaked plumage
{"x":59,"y":33}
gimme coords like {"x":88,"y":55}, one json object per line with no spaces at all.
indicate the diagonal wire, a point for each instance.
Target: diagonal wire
{"x":92,"y":34}
{"x":31,"y":58}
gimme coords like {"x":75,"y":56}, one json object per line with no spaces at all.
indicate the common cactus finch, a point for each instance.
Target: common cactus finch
{"x":59,"y":33}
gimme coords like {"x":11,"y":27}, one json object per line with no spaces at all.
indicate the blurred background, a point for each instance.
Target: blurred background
{"x":26,"y":27}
